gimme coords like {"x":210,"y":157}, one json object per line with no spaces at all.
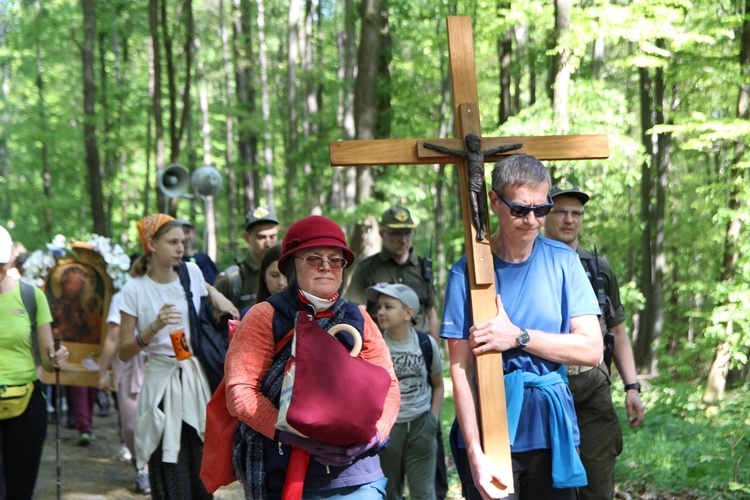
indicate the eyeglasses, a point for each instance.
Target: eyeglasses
{"x":404,"y":233}
{"x":562,"y":213}
{"x":316,"y":262}
{"x":517,"y":210}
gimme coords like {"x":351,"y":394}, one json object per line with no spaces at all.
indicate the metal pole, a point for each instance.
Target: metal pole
{"x":57,"y":424}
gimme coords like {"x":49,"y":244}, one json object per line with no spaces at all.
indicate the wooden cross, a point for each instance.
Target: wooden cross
{"x":492,"y":412}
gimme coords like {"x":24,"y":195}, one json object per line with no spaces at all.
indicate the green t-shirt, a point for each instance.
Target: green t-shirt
{"x":17,"y":366}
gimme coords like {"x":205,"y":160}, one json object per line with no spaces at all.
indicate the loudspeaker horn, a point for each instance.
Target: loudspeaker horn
{"x":173,"y":180}
{"x":207,"y":181}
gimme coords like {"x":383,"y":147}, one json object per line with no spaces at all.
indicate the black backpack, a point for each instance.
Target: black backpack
{"x":426,"y":346}
{"x":209,"y":339}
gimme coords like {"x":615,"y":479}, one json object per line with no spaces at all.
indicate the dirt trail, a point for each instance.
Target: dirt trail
{"x":97,"y":471}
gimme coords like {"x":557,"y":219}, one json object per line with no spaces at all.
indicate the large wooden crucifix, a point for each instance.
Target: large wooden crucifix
{"x":492,"y":411}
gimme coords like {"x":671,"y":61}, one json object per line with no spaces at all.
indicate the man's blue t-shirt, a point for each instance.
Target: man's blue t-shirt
{"x":542,"y":293}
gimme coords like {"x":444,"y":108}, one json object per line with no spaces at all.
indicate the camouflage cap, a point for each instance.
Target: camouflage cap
{"x":260,"y":214}
{"x":397,"y":217}
{"x":568,"y":189}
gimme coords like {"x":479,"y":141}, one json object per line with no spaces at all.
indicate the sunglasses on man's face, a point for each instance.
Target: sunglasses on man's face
{"x":517,"y":210}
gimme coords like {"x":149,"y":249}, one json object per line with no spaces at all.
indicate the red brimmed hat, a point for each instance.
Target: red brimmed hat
{"x":313,"y":231}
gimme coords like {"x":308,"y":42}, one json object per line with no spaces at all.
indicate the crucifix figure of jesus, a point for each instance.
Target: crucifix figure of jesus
{"x":489,"y":368}
{"x":474,"y":157}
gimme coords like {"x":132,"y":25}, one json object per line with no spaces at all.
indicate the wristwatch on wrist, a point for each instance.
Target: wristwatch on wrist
{"x":523,"y":338}
{"x":636,"y":386}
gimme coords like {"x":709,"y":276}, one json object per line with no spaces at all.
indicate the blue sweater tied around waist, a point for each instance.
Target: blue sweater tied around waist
{"x":567,"y":468}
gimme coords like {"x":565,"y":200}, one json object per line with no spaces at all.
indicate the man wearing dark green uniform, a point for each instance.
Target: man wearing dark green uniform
{"x":239,"y":283}
{"x":397,"y":263}
{"x":601,"y":438}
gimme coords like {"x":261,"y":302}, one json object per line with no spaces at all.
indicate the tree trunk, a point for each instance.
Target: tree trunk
{"x":93,"y":168}
{"x":44,"y":145}
{"x":348,"y":48}
{"x":365,"y":104}
{"x":308,"y":101}
{"x":229,"y":153}
{"x":265,"y":92}
{"x":644,"y":332}
{"x":505,"y":58}
{"x":293,"y":34}
{"x":243,"y":61}
{"x":717,"y":377}
{"x":155,"y":93}
{"x":561,"y":67}
{"x":661,"y":164}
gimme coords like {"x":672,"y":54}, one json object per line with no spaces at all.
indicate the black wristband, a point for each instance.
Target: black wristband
{"x":636,"y":386}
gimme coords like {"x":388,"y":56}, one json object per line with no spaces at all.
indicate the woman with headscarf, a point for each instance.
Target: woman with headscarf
{"x":171,"y":417}
{"x":268,"y":461}
{"x":22,"y":436}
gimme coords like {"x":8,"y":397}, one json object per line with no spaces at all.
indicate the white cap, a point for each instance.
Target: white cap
{"x":6,"y":246}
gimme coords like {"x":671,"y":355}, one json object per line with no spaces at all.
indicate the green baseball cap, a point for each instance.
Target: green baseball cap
{"x":567,"y":189}
{"x":397,"y":217}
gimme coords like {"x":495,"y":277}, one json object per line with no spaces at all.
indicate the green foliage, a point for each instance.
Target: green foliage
{"x":684,"y":446}
{"x":696,"y":44}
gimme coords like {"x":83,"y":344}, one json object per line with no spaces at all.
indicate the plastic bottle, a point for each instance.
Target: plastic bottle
{"x":179,"y":341}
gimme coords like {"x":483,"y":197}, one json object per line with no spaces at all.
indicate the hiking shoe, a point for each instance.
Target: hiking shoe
{"x":142,"y":485}
{"x":85,"y":439}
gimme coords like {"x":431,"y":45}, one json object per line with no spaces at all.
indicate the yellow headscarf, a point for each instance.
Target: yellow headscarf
{"x":148,"y":226}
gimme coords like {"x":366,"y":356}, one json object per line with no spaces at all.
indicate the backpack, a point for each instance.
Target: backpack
{"x":28,"y":298}
{"x":209,"y":339}
{"x":605,"y":305}
{"x":234,"y":276}
{"x":426,"y":346}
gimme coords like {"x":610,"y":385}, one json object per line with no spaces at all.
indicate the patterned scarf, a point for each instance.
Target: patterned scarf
{"x":148,"y":226}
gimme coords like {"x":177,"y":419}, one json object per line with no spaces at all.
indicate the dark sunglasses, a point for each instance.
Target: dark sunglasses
{"x":523,"y":210}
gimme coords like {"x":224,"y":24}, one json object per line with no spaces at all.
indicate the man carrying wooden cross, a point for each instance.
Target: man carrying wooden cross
{"x":547,"y":316}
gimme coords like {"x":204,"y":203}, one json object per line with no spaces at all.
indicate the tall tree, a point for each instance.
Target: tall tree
{"x":93,"y":167}
{"x":44,"y":144}
{"x":294,"y":31}
{"x":366,"y":107}
{"x":229,"y":127}
{"x":561,"y":68}
{"x":654,"y":186}
{"x":155,"y":82}
{"x":717,"y":376}
{"x":505,"y":58}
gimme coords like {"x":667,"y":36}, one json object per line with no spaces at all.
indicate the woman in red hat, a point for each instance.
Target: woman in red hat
{"x":279,"y":464}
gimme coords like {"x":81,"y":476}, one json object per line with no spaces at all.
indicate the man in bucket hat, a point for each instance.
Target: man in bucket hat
{"x":239,"y":283}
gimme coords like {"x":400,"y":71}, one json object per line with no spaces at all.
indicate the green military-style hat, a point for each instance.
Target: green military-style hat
{"x":397,"y":217}
{"x":567,"y":189}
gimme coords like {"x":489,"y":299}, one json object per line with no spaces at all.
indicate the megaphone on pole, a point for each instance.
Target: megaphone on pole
{"x":173,"y":180}
{"x":206,"y":181}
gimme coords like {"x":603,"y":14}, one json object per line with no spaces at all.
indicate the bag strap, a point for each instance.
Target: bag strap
{"x":184,"y":275}
{"x":426,"y":346}
{"x":28,"y":297}
{"x":29,"y":302}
